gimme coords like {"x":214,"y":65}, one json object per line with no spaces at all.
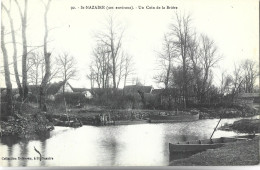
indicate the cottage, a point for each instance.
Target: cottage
{"x":87,"y":92}
{"x":52,"y":89}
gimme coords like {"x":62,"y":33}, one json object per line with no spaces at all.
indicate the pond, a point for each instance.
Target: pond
{"x":125,"y":145}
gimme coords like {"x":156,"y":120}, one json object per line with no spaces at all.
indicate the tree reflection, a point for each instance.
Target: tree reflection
{"x":24,"y":153}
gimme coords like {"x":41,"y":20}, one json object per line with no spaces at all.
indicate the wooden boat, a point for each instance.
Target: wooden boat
{"x":71,"y":123}
{"x":201,"y":145}
{"x":173,"y":118}
{"x":130,"y":122}
{"x":186,"y":149}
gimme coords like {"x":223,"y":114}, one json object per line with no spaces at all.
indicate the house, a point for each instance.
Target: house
{"x":133,"y":89}
{"x":87,"y":92}
{"x":52,"y":89}
{"x":99,"y":92}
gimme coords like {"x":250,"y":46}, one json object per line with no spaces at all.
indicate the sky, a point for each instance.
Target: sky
{"x":232,"y":24}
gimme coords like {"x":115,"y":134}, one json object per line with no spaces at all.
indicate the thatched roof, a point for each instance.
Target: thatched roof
{"x":80,"y":90}
{"x":101,"y":91}
{"x":52,"y":88}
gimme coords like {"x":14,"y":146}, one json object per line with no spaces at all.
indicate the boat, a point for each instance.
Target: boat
{"x":130,"y":122}
{"x":174,"y":118}
{"x":71,"y":123}
{"x":186,"y":149}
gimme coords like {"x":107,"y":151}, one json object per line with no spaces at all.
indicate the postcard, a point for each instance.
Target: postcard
{"x":94,"y":83}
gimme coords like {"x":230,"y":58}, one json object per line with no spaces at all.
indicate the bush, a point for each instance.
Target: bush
{"x":71,"y":98}
{"x":116,"y":99}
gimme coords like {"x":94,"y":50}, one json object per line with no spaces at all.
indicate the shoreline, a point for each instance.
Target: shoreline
{"x":91,"y":117}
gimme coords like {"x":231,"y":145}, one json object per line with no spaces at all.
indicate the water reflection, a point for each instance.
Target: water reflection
{"x":24,"y":153}
{"x":133,"y":145}
{"x":43,"y":151}
{"x":10,"y":154}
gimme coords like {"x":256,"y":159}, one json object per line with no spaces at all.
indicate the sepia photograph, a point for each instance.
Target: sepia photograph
{"x":109,"y":83}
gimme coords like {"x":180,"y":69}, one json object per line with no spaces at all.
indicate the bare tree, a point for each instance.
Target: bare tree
{"x":101,"y":65}
{"x":112,"y":39}
{"x":47,"y":55}
{"x":209,"y":59}
{"x":35,"y":65}
{"x":120,"y":68}
{"x":165,"y":59}
{"x":225,"y":83}
{"x":250,"y":69}
{"x":36,"y":69}
{"x":195,"y":64}
{"x":181,"y":32}
{"x":67,"y":66}
{"x":23,"y":17}
{"x":8,"y":11}
{"x":128,"y":68}
{"x":7,"y":73}
{"x":237,"y":80}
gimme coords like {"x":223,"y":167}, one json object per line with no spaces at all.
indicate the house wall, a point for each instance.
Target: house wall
{"x":88,"y":95}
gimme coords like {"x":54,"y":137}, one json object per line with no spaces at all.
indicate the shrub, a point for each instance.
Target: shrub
{"x":71,"y":98}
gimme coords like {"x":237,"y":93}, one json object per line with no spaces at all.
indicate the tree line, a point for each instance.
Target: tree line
{"x":110,"y":64}
{"x":38,"y":64}
{"x":187,"y":61}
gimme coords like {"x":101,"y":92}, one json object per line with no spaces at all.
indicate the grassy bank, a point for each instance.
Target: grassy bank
{"x":236,"y":153}
{"x":232,"y":111}
{"x":247,"y":125}
{"x":243,"y":126}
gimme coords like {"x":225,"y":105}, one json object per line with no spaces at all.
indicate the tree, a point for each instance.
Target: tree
{"x":128,"y":68}
{"x":46,"y":54}
{"x":35,"y":68}
{"x":18,"y":82}
{"x":67,"y":66}
{"x":208,"y":59}
{"x":7,"y":73}
{"x":237,"y":80}
{"x":195,"y":64}
{"x":165,"y":59}
{"x":226,"y":82}
{"x":112,"y":39}
{"x":250,"y":70}
{"x":23,"y":17}
{"x":100,"y":65}
{"x":181,"y":33}
{"x":120,"y":70}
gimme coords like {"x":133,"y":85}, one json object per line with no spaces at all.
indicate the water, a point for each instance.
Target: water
{"x":127,"y":145}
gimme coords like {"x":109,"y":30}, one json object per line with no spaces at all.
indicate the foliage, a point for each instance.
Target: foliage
{"x":71,"y":98}
{"x":28,"y":123}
